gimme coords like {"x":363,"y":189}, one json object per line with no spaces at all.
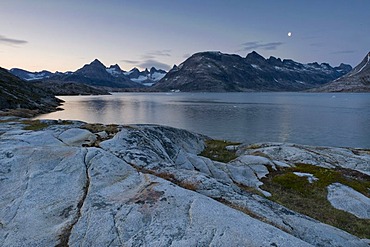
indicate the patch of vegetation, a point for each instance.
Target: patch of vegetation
{"x":34,"y":125}
{"x":111,"y":129}
{"x":24,"y":113}
{"x":188,"y":185}
{"x":216,"y":150}
{"x":249,"y":189}
{"x":65,"y":122}
{"x":310,"y":199}
{"x":253,"y":146}
{"x":169,"y":177}
{"x":261,"y":154}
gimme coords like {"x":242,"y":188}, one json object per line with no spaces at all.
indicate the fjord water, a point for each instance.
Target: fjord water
{"x":340,"y":120}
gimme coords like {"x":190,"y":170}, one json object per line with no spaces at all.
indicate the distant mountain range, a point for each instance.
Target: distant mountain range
{"x":357,"y":80}
{"x":219,"y":72}
{"x":208,"y":72}
{"x":98,"y":75}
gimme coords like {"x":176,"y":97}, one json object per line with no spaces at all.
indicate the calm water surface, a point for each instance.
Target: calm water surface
{"x":305,"y":118}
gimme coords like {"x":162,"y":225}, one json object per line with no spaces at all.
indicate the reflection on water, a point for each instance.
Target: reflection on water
{"x":312,"y":119}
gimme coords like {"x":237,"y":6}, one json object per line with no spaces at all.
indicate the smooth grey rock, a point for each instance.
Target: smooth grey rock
{"x":86,"y":196}
{"x":319,"y":156}
{"x":225,"y":187}
{"x":77,"y":137}
{"x":347,"y":199}
{"x":127,"y":208}
{"x":102,"y":134}
{"x":39,"y":193}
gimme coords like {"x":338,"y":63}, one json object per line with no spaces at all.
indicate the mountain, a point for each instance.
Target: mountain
{"x":98,"y":75}
{"x":146,"y":77}
{"x":18,"y":94}
{"x":215,"y":71}
{"x":357,"y":80}
{"x":31,"y":76}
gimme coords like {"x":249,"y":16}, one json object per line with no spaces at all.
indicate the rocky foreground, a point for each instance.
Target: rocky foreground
{"x":69,"y":183}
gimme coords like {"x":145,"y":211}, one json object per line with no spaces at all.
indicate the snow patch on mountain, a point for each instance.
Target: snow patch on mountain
{"x":368,"y":59}
{"x":32,"y":77}
{"x":113,"y":71}
{"x":141,"y":78}
{"x":156,"y":76}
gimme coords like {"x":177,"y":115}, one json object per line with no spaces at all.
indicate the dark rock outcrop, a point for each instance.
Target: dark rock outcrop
{"x":18,"y":94}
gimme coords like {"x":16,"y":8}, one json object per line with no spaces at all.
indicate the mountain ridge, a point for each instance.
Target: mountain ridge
{"x":16,"y":94}
{"x":216,"y":71}
{"x":96,"y":74}
{"x":357,"y":80}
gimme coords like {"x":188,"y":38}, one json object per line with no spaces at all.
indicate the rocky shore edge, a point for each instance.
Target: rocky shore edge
{"x":69,"y":183}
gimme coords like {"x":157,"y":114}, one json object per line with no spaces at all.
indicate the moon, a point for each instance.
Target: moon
{"x":289,"y":34}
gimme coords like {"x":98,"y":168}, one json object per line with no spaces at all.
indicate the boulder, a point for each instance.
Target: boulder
{"x":347,"y":199}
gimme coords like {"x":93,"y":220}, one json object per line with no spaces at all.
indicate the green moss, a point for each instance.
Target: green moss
{"x":34,"y":125}
{"x":95,"y":128}
{"x":216,"y":150}
{"x":293,"y":183}
{"x":65,"y":122}
{"x":310,"y":199}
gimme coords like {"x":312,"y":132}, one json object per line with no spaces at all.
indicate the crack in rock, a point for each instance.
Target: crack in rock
{"x":64,"y":237}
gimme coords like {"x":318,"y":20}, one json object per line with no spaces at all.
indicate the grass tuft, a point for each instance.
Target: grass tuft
{"x":216,"y":150}
{"x":34,"y":125}
{"x":111,"y":129}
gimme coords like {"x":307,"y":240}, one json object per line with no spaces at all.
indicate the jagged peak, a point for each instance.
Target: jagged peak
{"x":134,"y":69}
{"x":254,"y":55}
{"x":96,"y":62}
{"x":152,"y":70}
{"x":115,"y":66}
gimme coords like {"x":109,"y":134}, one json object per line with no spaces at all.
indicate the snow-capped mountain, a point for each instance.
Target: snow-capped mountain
{"x":97,"y":74}
{"x":146,"y":77}
{"x":31,"y":76}
{"x":357,"y":80}
{"x":216,"y":71}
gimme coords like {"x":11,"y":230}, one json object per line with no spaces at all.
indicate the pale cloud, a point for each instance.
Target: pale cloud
{"x":130,"y":61}
{"x":154,"y":63}
{"x":157,"y":53}
{"x":10,"y":41}
{"x":247,"y":46}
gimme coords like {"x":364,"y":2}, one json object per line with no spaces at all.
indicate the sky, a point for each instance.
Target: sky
{"x":63,"y":35}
